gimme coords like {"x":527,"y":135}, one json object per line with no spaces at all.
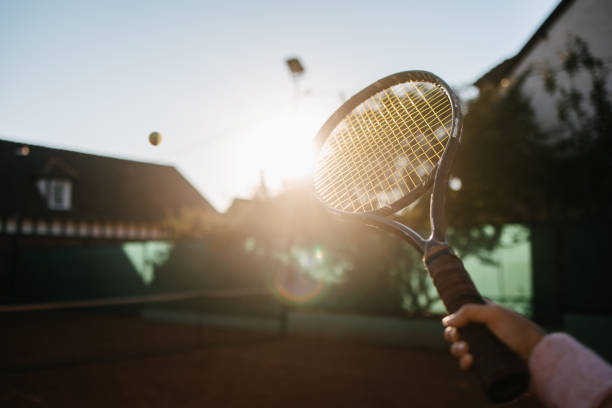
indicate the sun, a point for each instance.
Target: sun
{"x":280,"y":146}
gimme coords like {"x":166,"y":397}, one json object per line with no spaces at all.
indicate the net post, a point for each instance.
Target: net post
{"x":284,"y":319}
{"x":200,"y":328}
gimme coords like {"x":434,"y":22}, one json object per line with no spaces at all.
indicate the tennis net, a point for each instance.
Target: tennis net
{"x":54,"y":334}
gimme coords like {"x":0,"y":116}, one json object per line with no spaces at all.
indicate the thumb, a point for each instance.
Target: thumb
{"x":468,"y":313}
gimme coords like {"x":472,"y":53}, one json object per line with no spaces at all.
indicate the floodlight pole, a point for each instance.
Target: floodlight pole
{"x":297,"y":70}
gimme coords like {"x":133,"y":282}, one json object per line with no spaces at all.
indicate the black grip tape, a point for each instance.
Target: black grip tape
{"x":503,"y":373}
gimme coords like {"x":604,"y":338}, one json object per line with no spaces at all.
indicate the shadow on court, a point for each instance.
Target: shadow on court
{"x":93,"y":360}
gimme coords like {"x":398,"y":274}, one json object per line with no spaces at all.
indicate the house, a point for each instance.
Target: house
{"x":542,"y":55}
{"x":64,"y":194}
{"x":569,"y":259}
{"x":76,"y":225}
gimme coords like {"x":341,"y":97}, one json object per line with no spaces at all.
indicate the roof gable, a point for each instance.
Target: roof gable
{"x":104,"y":188}
{"x":503,"y":70}
{"x":55,"y":167}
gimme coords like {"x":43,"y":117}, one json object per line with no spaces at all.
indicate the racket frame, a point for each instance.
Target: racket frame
{"x":503,"y":374}
{"x":437,"y":180}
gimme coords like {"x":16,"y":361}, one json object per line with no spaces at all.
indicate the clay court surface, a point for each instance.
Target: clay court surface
{"x":93,"y":360}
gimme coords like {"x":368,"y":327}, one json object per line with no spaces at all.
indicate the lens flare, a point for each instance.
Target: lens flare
{"x":301,"y":279}
{"x":296,"y":286}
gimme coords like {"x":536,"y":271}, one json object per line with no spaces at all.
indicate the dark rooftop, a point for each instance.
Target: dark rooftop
{"x":103,"y":188}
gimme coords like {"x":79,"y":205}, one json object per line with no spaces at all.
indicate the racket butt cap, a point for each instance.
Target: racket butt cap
{"x":508,"y":388}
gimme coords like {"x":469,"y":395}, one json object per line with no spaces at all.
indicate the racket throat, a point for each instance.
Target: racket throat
{"x":404,"y":232}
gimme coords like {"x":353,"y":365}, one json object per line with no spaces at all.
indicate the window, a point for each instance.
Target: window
{"x":83,"y":229}
{"x":70,"y":228}
{"x":96,"y":230}
{"x":58,"y":193}
{"x":41,"y":227}
{"x":108,"y":230}
{"x":26,"y":226}
{"x":56,"y":227}
{"x":121,"y":233}
{"x":11,"y":226}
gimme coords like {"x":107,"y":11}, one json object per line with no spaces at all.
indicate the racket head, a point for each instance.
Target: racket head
{"x":382,"y":149}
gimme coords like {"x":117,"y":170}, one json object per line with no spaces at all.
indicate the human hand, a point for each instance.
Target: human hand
{"x":513,"y":329}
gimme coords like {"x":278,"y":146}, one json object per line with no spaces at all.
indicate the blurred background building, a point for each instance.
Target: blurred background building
{"x":65,"y":219}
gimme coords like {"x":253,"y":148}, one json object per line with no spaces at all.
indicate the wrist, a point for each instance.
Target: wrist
{"x":534,"y":338}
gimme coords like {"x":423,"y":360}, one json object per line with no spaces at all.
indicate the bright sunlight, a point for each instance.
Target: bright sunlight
{"x":280,"y":146}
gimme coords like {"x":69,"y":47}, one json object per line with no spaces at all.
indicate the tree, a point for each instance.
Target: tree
{"x":582,"y":143}
{"x":513,"y":171}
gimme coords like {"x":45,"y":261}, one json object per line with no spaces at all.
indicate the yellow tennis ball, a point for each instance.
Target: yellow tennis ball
{"x":155,"y":138}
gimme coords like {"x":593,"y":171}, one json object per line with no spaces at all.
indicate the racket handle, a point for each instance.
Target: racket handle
{"x":503,"y":373}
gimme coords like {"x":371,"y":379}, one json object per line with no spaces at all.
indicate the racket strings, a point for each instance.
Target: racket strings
{"x":410,"y":141}
{"x":394,"y":127}
{"x":385,"y":148}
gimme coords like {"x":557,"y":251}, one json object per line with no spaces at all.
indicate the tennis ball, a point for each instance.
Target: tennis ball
{"x":155,"y":138}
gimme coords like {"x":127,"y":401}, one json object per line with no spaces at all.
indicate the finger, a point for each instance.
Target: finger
{"x":469,"y":313}
{"x":465,"y":361}
{"x":451,"y":334}
{"x":459,"y":349}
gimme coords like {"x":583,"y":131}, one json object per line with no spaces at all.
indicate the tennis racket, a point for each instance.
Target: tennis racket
{"x":380,"y":151}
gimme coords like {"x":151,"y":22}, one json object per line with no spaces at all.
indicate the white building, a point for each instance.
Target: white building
{"x":589,"y":20}
{"x":570,"y":289}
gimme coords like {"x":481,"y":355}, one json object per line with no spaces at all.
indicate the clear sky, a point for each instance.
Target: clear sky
{"x":99,"y":76}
